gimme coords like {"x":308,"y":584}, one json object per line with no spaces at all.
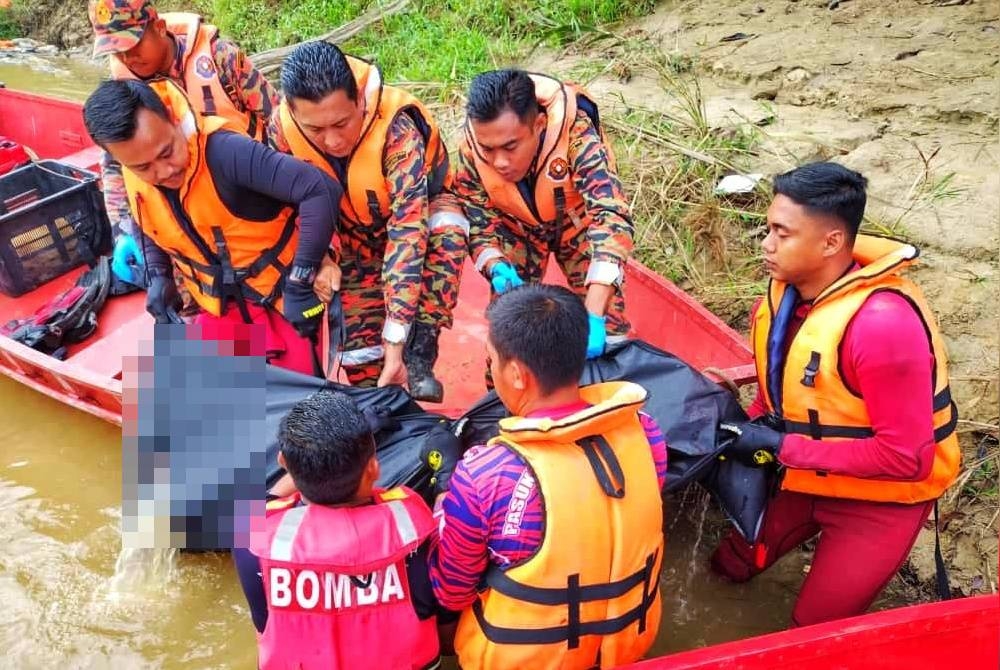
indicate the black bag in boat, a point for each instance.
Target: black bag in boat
{"x":688,"y":407}
{"x":68,"y":318}
{"x":404,"y":424}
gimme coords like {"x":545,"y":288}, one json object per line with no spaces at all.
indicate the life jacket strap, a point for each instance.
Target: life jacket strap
{"x":229,"y":284}
{"x":572,"y":597}
{"x":818,"y":430}
{"x":605,"y":465}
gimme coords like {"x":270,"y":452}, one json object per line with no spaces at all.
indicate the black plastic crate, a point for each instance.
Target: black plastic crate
{"x":52,"y":219}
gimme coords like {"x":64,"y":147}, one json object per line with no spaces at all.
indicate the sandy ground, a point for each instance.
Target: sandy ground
{"x":907,"y":93}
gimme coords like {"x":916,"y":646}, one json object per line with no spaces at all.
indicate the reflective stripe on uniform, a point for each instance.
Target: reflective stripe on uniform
{"x":443,"y":219}
{"x":604,"y":272}
{"x":488,"y":254}
{"x":284,"y":535}
{"x":404,"y":523}
{"x":362,"y":356}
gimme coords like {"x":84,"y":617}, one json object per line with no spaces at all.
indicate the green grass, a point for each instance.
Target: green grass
{"x":10,"y":25}
{"x":433,"y":40}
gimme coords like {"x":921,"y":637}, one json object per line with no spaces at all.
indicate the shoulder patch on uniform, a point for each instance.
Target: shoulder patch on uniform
{"x":558,"y":168}
{"x":204,"y":67}
{"x":393,"y":494}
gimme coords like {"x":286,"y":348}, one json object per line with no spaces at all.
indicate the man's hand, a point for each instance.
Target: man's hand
{"x":161,"y":296}
{"x":441,"y":453}
{"x":393,"y":367}
{"x":126,"y":260}
{"x":755,"y":444}
{"x":303,"y":308}
{"x":504,"y":277}
{"x":597,"y":336}
{"x":327,"y":280}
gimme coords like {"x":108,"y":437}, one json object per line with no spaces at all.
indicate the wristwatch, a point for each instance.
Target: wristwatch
{"x":302,"y":275}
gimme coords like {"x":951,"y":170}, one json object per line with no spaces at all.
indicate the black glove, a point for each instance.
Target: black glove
{"x":755,"y":444}
{"x":303,"y":309}
{"x":380,"y":418}
{"x":441,"y":453}
{"x":161,"y":296}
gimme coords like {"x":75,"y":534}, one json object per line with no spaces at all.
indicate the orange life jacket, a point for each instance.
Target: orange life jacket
{"x":812,"y":398}
{"x":555,"y":193}
{"x":200,"y":77}
{"x":590,"y":596}
{"x":367,"y":201}
{"x":218,"y":254}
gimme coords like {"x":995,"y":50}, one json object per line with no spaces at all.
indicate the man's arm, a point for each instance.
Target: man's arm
{"x":237,"y":161}
{"x":276,"y":135}
{"x":484,"y":246}
{"x":887,"y":360}
{"x":252,"y":92}
{"x":156,"y":260}
{"x":406,"y":248}
{"x":657,"y":445}
{"x":115,"y":197}
{"x":459,"y":557}
{"x":248,"y":571}
{"x":610,"y":230}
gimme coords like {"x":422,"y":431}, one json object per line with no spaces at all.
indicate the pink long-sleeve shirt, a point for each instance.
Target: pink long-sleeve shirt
{"x":887,"y":359}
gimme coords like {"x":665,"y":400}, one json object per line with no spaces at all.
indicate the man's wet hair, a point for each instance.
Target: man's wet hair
{"x":112,"y":110}
{"x":827,"y":188}
{"x":315,"y":70}
{"x":327,"y":444}
{"x":492,"y":93}
{"x":545,"y":327}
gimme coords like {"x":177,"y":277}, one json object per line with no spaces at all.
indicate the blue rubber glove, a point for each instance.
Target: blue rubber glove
{"x":504,"y":277}
{"x":126,"y":260}
{"x":597,"y":337}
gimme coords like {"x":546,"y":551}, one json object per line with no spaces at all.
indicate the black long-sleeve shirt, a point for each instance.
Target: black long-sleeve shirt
{"x":255,"y":182}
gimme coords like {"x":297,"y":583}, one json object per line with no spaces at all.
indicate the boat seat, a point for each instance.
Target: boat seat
{"x":86,"y":159}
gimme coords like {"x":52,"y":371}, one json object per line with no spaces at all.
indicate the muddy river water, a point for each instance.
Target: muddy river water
{"x":60,"y":488}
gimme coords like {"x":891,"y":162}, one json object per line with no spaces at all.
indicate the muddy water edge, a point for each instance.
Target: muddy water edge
{"x":60,"y":482}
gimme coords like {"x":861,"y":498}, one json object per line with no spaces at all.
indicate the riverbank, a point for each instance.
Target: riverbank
{"x":904,"y":92}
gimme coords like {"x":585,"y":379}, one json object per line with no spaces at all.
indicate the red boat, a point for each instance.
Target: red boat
{"x":959,"y":633}
{"x":90,"y":377}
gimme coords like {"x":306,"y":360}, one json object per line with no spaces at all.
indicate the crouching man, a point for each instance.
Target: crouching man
{"x":551,"y":539}
{"x":338,"y":576}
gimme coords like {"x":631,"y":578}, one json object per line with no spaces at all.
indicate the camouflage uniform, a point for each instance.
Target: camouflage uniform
{"x":121,"y":24}
{"x":606,"y":235}
{"x":407,"y":269}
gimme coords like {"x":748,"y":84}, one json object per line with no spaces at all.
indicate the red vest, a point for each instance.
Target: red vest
{"x":337,"y":588}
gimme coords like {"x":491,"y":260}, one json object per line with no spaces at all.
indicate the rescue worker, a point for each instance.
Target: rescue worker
{"x":402,"y":239}
{"x":536,"y":176}
{"x":854,"y":401}
{"x":222,"y":209}
{"x":551,"y":534}
{"x":218,"y":78}
{"x":337,"y":577}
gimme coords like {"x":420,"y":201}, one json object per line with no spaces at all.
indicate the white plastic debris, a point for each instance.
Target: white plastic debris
{"x":738,"y":183}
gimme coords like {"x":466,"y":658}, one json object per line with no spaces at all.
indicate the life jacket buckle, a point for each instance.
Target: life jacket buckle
{"x":811,"y":370}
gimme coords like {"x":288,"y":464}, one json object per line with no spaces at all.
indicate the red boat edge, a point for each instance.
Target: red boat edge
{"x":961,"y":633}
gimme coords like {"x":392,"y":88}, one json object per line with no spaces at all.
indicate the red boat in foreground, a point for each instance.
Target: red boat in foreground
{"x":958,"y":633}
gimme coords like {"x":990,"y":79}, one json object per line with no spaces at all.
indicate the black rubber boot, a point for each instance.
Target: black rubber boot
{"x":420,"y":355}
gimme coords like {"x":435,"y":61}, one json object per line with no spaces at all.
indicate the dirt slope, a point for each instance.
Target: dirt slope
{"x":907,"y":93}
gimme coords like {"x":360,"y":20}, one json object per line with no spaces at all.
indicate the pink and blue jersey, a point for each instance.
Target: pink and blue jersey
{"x":493,"y":513}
